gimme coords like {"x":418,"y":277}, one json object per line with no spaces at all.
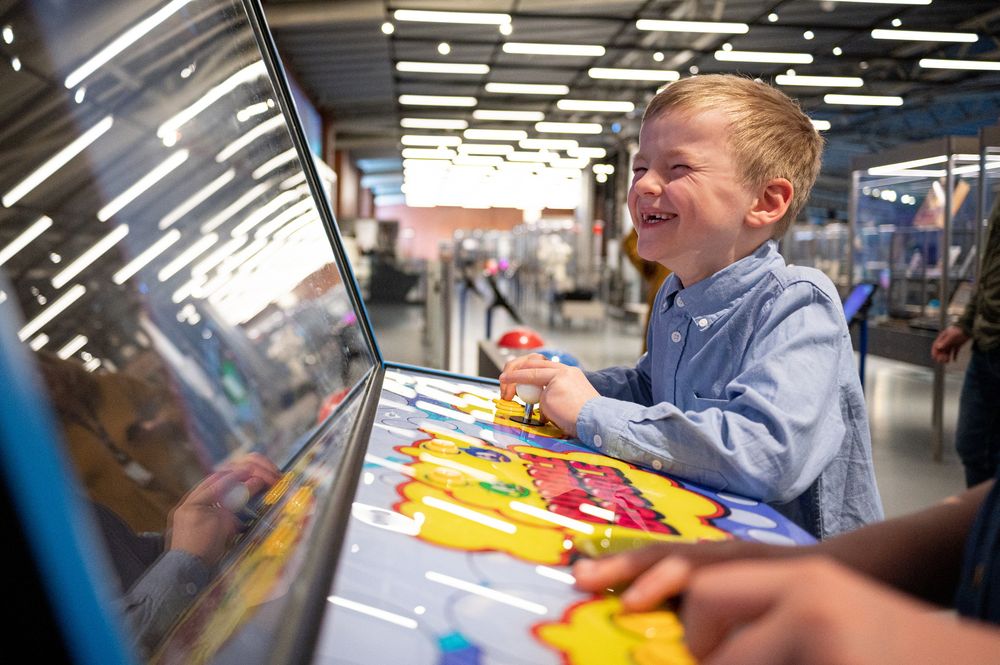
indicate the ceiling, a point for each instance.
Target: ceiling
{"x":340,"y":54}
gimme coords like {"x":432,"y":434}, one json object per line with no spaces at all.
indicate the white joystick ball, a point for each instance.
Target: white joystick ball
{"x":528,"y":393}
{"x":235,"y":498}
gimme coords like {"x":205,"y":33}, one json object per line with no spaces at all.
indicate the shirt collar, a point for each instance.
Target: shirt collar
{"x":713,"y":296}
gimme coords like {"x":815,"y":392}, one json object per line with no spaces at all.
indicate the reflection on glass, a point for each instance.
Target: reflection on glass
{"x":176,"y":283}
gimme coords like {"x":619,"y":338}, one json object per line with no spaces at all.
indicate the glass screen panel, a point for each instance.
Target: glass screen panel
{"x":157,"y":233}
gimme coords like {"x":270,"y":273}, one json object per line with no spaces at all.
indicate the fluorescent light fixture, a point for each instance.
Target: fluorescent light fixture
{"x":478,"y":160}
{"x":203,"y":267}
{"x":592,"y":153}
{"x":938,"y":63}
{"x":495,"y":134}
{"x":39,"y":342}
{"x":249,"y":137}
{"x":25,"y":238}
{"x":764,"y":56}
{"x":72,"y":347}
{"x":484,"y":149}
{"x":56,"y":162}
{"x":396,"y":619}
{"x":434,"y":123}
{"x":925,"y":36}
{"x":305,"y":208}
{"x":229,"y":211}
{"x":140,"y":186}
{"x":168,"y":129}
{"x":594,"y":105}
{"x":196,"y":199}
{"x":525,"y":116}
{"x":469,"y":514}
{"x":486,"y":592}
{"x":253,"y":110}
{"x":122,"y":42}
{"x":570,"y":163}
{"x":80,"y":264}
{"x":52,"y":311}
{"x":709,"y":27}
{"x":864,"y":100}
{"x":548,"y":144}
{"x":442,"y":67}
{"x":568,"y":127}
{"x":269,"y":208}
{"x":427,"y":153}
{"x":819,"y":81}
{"x":555,"y":574}
{"x":620,"y":74}
{"x":436,"y":100}
{"x":540,"y":156}
{"x":420,"y":140}
{"x":820,"y":125}
{"x":911,"y":164}
{"x":527,"y":89}
{"x":534,"y":48}
{"x":425,"y":16}
{"x":187,"y":256}
{"x":273,"y":163}
{"x":144,"y":258}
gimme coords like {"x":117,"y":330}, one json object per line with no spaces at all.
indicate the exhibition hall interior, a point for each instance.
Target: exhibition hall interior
{"x":262,"y":263}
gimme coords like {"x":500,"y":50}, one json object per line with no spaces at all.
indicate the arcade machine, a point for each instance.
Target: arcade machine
{"x":175,"y":295}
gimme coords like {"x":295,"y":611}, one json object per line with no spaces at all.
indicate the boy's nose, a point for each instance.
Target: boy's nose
{"x":648,"y":184}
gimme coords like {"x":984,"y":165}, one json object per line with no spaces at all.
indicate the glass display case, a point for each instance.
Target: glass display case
{"x":203,"y":456}
{"x":913,"y":220}
{"x":824,"y":247}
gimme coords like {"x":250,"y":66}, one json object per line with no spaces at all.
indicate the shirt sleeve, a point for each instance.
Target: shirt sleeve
{"x":631,"y":384}
{"x":159,"y":597}
{"x":778,"y":422}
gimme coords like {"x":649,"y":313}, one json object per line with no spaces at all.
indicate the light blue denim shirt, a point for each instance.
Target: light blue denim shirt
{"x":750,"y":386}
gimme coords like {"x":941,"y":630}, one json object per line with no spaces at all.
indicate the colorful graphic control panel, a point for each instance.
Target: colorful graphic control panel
{"x":465,"y":523}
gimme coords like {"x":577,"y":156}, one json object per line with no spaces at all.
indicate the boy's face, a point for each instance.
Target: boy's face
{"x":687,"y":202}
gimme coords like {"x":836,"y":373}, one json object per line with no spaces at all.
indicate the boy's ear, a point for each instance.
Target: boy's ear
{"x":771,"y":203}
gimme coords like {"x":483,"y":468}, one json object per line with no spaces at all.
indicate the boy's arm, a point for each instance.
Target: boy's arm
{"x":775,"y":425}
{"x":631,"y":384}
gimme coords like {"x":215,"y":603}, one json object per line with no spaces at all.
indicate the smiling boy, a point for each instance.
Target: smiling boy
{"x":749,"y":384}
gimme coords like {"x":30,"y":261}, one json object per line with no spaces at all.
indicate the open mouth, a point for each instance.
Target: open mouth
{"x":656,"y":217}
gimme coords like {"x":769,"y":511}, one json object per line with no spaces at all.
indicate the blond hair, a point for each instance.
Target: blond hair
{"x":769,"y":135}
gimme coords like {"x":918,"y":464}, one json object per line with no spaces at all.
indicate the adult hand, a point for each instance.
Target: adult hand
{"x":811,"y":611}
{"x":565,"y":389}
{"x":658,"y":572}
{"x":947,"y":344}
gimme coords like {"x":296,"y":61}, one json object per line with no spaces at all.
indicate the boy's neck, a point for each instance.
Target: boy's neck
{"x":690,"y":278}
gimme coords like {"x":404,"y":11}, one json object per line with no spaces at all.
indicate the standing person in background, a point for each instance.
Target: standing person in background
{"x":977,"y":439}
{"x":652,"y":273}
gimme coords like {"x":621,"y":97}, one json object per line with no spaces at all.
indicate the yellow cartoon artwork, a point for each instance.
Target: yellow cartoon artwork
{"x":595,"y":632}
{"x":540,"y":505}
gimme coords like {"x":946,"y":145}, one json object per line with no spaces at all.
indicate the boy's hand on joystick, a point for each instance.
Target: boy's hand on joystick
{"x":530,"y":395}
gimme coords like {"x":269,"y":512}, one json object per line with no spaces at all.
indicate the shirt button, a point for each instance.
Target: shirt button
{"x":679,"y":301}
{"x":675,"y":336}
{"x":190,"y":588}
{"x":657,"y":464}
{"x":597,"y":440}
{"x":702,"y":323}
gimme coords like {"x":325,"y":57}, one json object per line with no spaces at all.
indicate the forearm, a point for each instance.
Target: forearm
{"x":919,"y":553}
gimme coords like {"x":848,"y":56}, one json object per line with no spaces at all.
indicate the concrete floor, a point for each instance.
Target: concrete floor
{"x":898,"y":395}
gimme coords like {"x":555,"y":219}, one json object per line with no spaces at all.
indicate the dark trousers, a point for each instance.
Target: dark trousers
{"x":977,"y":439}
